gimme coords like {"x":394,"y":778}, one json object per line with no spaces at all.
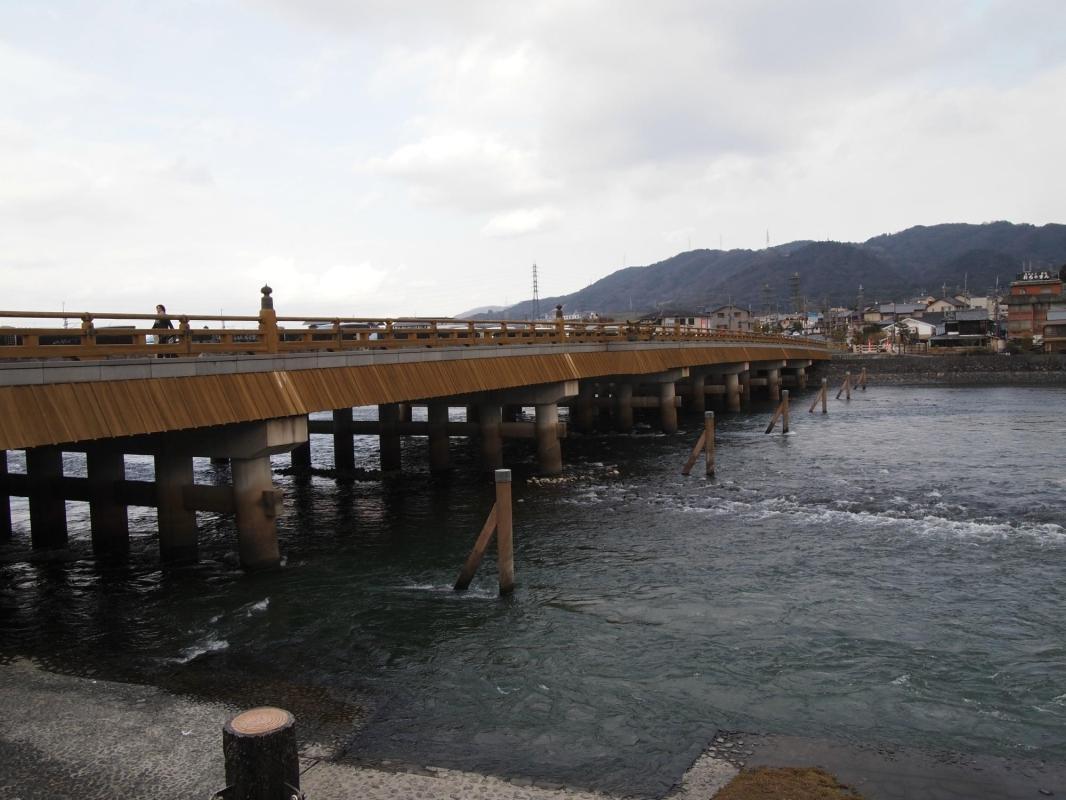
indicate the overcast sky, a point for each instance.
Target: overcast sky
{"x":391,"y":157}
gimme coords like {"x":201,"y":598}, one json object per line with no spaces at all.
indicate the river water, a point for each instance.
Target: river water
{"x":890,"y":573}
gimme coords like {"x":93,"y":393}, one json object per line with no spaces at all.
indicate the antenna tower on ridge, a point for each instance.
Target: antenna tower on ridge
{"x":536,"y":295}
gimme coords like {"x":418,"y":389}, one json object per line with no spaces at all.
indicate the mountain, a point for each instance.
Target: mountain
{"x":480,"y":311}
{"x":897,"y":266}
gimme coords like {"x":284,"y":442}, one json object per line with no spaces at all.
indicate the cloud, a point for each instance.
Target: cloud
{"x":521,"y":222}
{"x":325,"y":141}
{"x":466,"y":169}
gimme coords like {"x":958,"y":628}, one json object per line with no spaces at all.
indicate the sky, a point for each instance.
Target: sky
{"x":396,"y":158}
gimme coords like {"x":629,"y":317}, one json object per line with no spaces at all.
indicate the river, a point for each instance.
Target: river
{"x":889,"y":573}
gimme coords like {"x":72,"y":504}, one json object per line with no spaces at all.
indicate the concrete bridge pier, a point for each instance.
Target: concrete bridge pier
{"x":745,"y":388}
{"x":255,"y":503}
{"x":108,"y":515}
{"x":545,"y":399}
{"x":300,"y":457}
{"x":667,"y":407}
{"x":583,"y":411}
{"x":437,"y":414}
{"x":733,"y":391}
{"x":5,"y":501}
{"x":773,"y":384}
{"x":549,"y":451}
{"x":177,"y":523}
{"x":623,"y":406}
{"x":252,"y":496}
{"x":697,"y":396}
{"x":343,"y":440}
{"x":48,"y":511}
{"x":490,"y":417}
{"x":390,"y":448}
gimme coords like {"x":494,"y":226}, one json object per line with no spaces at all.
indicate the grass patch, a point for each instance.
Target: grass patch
{"x":773,"y":783}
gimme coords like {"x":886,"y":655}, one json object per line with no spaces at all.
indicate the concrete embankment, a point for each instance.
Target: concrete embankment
{"x":974,"y":369}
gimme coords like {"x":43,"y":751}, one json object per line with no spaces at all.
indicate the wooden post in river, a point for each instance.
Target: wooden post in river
{"x":781,"y":412}
{"x":846,"y":387}
{"x":262,"y":763}
{"x":704,"y":443}
{"x":504,"y":536}
{"x":862,"y":379}
{"x":823,"y":395}
{"x":499,"y":522}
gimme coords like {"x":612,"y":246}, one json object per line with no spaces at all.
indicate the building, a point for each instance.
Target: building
{"x":1055,"y":330}
{"x":890,"y":312}
{"x":1032,"y":296}
{"x":731,"y":318}
{"x":697,"y":319}
{"x":964,"y":328}
{"x":921,"y":329}
{"x":946,"y":304}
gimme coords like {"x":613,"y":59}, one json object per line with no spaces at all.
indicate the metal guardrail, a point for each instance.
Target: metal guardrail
{"x":132,"y":335}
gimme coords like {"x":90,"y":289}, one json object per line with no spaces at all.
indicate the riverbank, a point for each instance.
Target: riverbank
{"x":72,"y":737}
{"x":972,"y":369}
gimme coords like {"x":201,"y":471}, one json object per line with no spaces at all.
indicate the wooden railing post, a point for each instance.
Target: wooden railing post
{"x":186,"y":337}
{"x":268,"y":321}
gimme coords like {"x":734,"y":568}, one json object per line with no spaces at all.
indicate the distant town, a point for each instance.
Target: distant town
{"x":1029,"y":317}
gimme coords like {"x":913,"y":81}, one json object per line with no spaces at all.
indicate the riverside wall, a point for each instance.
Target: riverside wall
{"x":964,"y":369}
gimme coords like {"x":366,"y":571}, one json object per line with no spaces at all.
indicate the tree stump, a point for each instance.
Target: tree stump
{"x":259,"y":746}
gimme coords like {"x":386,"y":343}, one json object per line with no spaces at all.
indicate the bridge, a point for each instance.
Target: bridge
{"x":242,"y":388}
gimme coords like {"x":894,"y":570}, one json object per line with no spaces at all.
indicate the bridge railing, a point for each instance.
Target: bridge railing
{"x":37,"y":335}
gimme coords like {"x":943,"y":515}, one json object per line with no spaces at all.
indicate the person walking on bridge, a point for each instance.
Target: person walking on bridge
{"x":162,"y":322}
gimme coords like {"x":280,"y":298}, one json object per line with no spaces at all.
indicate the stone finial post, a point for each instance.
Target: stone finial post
{"x":268,"y":321}
{"x":560,"y":323}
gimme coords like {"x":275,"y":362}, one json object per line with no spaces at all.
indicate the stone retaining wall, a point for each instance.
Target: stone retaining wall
{"x":978,"y":369}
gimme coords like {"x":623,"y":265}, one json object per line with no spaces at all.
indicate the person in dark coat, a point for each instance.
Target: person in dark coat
{"x":162,"y":322}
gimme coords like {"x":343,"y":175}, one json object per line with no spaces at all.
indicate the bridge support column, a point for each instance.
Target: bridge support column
{"x":732,"y":392}
{"x":584,"y":408}
{"x":48,"y":512}
{"x":405,"y":412}
{"x":343,"y":442}
{"x":438,"y":436}
{"x":623,"y":407}
{"x":390,"y":445}
{"x":667,"y":408}
{"x":801,"y":377}
{"x":108,"y":517}
{"x":471,"y":413}
{"x":5,"y":501}
{"x":511,"y":412}
{"x":773,"y":384}
{"x":177,"y":524}
{"x":697,"y":401}
{"x":489,"y":418}
{"x":300,"y":457}
{"x":745,"y":388}
{"x":549,"y":452}
{"x":255,"y":502}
